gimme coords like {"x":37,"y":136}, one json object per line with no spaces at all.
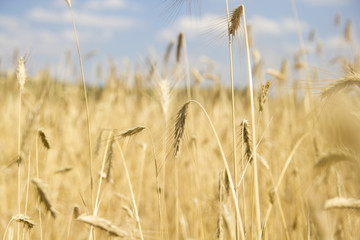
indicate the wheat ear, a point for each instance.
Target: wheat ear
{"x":44,"y":196}
{"x":340,"y":202}
{"x":104,"y":225}
{"x":20,"y":218}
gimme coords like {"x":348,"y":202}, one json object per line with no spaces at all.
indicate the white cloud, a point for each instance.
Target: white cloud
{"x":335,"y":42}
{"x":84,"y":19}
{"x":106,"y":4}
{"x":328,"y":2}
{"x":267,"y":26}
{"x":192,"y":27}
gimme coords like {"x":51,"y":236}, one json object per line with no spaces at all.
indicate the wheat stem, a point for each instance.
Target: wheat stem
{"x":251,"y":89}
{"x":282,"y":174}
{"x":226,"y":167}
{"x":131,"y":189}
{"x":97,"y":204}
{"x":232,"y":108}
{"x":86,"y":105}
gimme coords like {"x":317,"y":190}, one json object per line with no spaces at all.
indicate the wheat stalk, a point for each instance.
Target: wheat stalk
{"x":86,"y":104}
{"x":21,"y":77}
{"x":233,"y":23}
{"x":231,"y":183}
{"x":109,"y":142}
{"x":131,"y":189}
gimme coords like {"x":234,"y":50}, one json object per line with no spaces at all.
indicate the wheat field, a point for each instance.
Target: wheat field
{"x":160,"y":155}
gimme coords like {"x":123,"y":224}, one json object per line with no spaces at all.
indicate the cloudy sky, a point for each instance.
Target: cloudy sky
{"x":131,"y":30}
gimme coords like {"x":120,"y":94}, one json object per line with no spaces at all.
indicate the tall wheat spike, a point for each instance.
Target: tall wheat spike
{"x":44,"y":196}
{"x":104,"y":225}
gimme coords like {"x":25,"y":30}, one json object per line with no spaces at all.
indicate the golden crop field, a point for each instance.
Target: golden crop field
{"x":166,"y":158}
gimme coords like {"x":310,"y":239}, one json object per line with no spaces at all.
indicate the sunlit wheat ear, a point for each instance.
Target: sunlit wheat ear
{"x":173,"y":7}
{"x":349,"y":80}
{"x":337,"y":20}
{"x":220,"y":230}
{"x":168,"y":52}
{"x":164,"y":91}
{"x":226,"y":182}
{"x":68,"y":3}
{"x":44,"y":196}
{"x":44,"y":139}
{"x":312,"y":35}
{"x":76,"y":211}
{"x":104,"y":225}
{"x":128,"y":211}
{"x":98,"y":142}
{"x":24,"y":219}
{"x":340,"y":202}
{"x":246,"y":137}
{"x":332,"y":158}
{"x":198,"y":78}
{"x":319,"y":47}
{"x":235,"y":20}
{"x":263,"y":95}
{"x":348,"y":31}
{"x":250,"y":37}
{"x":179,"y":47}
{"x":180,"y":127}
{"x":63,"y":170}
{"x":109,"y":160}
{"x":132,"y":131}
{"x":21,"y":73}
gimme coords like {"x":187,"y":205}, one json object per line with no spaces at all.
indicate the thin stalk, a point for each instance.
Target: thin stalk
{"x":303,"y":52}
{"x":27,"y":193}
{"x":232,"y":109}
{"x":19,"y":162}
{"x":243,"y":167}
{"x":97,"y":203}
{"x":226,"y":167}
{"x":37,"y":175}
{"x":197,"y":184}
{"x":87,"y":108}
{"x":186,"y":58}
{"x":131,"y":189}
{"x":282,"y":174}
{"x":282,"y":215}
{"x":177,"y":214}
{"x":157,"y":185}
{"x":7,"y":227}
{"x":251,"y":89}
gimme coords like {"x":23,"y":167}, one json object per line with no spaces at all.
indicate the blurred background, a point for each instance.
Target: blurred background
{"x":133,"y":34}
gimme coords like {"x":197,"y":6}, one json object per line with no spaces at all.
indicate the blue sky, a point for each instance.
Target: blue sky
{"x":129,"y":31}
